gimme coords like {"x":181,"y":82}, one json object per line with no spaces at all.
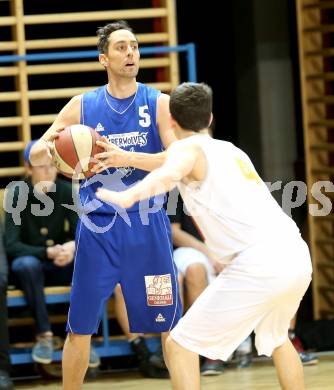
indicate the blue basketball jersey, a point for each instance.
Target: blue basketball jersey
{"x":132,"y":127}
{"x":135,"y":251}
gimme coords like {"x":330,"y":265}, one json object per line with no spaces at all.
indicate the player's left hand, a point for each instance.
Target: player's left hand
{"x":112,"y":157}
{"x":49,"y":141}
{"x":122,"y":199}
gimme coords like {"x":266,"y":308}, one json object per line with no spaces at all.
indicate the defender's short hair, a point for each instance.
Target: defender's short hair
{"x":191,"y":105}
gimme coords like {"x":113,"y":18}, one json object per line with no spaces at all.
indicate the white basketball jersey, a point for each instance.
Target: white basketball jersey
{"x":233,"y":207}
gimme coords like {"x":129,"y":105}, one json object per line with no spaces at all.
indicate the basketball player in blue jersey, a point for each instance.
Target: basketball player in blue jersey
{"x":113,"y":247}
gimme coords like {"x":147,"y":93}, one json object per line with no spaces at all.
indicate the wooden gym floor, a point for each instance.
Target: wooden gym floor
{"x":260,"y":376}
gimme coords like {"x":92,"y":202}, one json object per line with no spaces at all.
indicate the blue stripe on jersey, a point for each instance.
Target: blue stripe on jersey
{"x":135,"y":129}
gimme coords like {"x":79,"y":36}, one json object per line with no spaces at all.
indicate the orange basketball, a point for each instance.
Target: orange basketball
{"x":74,"y":151}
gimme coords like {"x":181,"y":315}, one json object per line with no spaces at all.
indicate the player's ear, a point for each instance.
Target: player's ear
{"x":211,"y":120}
{"x":212,"y":125}
{"x":103,"y":60}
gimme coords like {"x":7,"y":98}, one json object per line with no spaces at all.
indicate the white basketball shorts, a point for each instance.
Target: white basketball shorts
{"x":259,"y":290}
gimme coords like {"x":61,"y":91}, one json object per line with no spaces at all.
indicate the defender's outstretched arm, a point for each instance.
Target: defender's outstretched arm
{"x":179,"y":163}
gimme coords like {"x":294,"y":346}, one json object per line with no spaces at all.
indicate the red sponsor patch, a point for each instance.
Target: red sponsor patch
{"x":159,"y":290}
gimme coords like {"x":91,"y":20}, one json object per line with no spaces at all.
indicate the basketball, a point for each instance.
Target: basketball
{"x":74,"y":151}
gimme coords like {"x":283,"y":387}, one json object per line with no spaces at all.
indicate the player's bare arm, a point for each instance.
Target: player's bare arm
{"x":166,"y":132}
{"x":115,"y":157}
{"x":185,"y":163}
{"x":182,"y":238}
{"x":70,"y":114}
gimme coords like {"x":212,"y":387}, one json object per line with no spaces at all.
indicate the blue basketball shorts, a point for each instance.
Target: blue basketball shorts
{"x":140,"y":258}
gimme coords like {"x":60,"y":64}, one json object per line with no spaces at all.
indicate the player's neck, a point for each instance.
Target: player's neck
{"x":189,"y":133}
{"x":122,"y":89}
{"x":186,"y":134}
{"x":182,"y":133}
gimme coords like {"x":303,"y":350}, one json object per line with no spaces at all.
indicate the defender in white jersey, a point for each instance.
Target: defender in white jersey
{"x":268,"y":264}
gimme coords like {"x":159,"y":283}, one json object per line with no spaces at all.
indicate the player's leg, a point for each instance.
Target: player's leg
{"x":149,"y":276}
{"x":212,"y":327}
{"x":161,"y":353}
{"x":271,"y":333}
{"x":183,"y":366}
{"x":197,"y":272}
{"x":164,"y":337}
{"x":150,"y":365}
{"x":289,"y":367}
{"x":150,"y":282}
{"x":122,"y":316}
{"x":75,"y":360}
{"x":251,"y":293}
{"x":96,"y":273}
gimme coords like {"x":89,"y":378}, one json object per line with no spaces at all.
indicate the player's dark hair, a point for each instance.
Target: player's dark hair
{"x":191,"y":105}
{"x":104,"y":32}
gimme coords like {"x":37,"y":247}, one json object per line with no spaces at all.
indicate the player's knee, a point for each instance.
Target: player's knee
{"x":196,"y":273}
{"x":77,"y":340}
{"x":172,"y":348}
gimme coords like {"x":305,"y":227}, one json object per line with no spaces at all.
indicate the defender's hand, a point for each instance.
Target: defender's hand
{"x":112,"y":157}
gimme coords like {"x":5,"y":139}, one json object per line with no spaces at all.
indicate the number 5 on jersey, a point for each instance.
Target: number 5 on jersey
{"x":144,"y":114}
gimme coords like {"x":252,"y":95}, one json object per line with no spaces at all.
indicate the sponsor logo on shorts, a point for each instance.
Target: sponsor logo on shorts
{"x":99,"y":127}
{"x":159,"y":291}
{"x":160,"y":318}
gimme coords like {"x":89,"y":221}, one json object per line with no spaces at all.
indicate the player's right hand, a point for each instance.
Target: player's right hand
{"x":49,"y":139}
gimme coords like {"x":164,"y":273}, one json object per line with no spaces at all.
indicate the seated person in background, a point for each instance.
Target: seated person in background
{"x":197,"y":268}
{"x":5,"y":381}
{"x":300,"y":217}
{"x":307,"y":358}
{"x":37,"y":244}
{"x":150,"y":365}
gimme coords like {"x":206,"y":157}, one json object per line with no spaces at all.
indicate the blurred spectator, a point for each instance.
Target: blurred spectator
{"x":5,"y":381}
{"x":150,"y":365}
{"x":307,"y":358}
{"x":40,"y":249}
